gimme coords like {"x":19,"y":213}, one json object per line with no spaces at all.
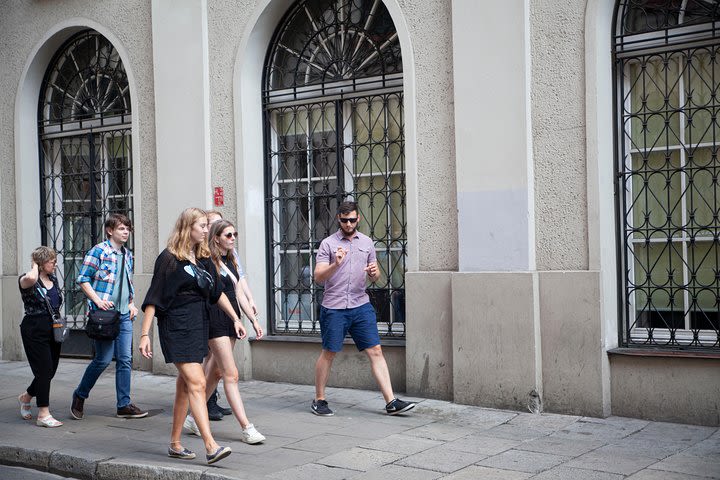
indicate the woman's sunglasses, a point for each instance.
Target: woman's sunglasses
{"x":230,"y":235}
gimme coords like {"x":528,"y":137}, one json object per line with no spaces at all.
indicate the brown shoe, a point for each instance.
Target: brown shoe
{"x":76,"y":409}
{"x":131,"y":411}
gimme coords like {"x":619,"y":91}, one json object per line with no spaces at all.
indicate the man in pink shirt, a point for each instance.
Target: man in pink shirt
{"x":343,"y":261}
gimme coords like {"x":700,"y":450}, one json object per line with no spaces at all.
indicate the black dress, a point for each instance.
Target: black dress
{"x":182,"y":294}
{"x":221,"y":325}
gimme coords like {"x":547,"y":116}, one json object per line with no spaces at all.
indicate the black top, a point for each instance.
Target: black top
{"x":228,"y":287}
{"x":176,"y":282}
{"x":34,"y":302}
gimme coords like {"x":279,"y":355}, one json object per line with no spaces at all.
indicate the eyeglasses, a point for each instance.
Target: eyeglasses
{"x":230,"y":235}
{"x":346,"y":220}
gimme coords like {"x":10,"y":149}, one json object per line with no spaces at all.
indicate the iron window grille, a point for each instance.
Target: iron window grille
{"x":667,"y":77}
{"x":333,"y":130}
{"x":84,"y":125}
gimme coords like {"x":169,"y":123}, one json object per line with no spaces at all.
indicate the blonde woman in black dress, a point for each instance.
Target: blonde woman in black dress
{"x":183,"y":286}
{"x":222,"y":333}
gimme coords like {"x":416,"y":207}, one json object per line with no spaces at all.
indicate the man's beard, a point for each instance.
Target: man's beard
{"x":351,"y":232}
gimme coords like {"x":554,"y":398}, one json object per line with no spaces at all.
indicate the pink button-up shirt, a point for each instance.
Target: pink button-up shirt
{"x":346,"y":287}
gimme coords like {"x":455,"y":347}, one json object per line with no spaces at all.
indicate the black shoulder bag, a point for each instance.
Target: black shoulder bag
{"x":105,"y":324}
{"x":59,"y":323}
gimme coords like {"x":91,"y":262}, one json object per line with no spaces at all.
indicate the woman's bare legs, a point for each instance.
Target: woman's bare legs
{"x":222,"y":348}
{"x":193,"y":380}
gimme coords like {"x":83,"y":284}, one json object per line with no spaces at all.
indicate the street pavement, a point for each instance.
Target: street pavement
{"x":436,"y":440}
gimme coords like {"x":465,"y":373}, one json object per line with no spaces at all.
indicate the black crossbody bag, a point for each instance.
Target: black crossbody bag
{"x":59,"y":323}
{"x":105,"y":324}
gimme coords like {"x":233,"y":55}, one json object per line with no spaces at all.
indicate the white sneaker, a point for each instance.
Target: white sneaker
{"x":191,"y":426}
{"x":251,"y":435}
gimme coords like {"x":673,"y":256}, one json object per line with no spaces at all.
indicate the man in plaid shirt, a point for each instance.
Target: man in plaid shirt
{"x":99,"y":281}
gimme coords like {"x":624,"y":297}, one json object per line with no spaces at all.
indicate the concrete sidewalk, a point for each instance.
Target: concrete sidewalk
{"x":436,"y":440}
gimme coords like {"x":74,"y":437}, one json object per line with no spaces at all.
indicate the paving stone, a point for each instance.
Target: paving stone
{"x":523,"y":461}
{"x":474,"y":472}
{"x":677,"y":431}
{"x":483,"y":444}
{"x":610,"y":460}
{"x":681,"y":463}
{"x":566,"y":473}
{"x":441,"y":459}
{"x":518,"y":432}
{"x":440,"y":431}
{"x":656,"y":448}
{"x":371,"y":430}
{"x":396,"y":471}
{"x":327,"y":443}
{"x":649,"y":474}
{"x":709,"y":447}
{"x":560,"y":446}
{"x":313,"y":471}
{"x":598,"y":431}
{"x":544,"y":420}
{"x":400,"y":443}
{"x":361,"y":459}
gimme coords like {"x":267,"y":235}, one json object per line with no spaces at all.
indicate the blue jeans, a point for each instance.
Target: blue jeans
{"x":121,"y":347}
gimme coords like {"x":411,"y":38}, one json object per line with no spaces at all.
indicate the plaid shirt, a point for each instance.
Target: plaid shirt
{"x":100,"y":269}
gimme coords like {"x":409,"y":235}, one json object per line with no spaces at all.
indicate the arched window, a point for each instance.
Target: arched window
{"x":667,"y":101}
{"x":333,"y":113}
{"x":84,"y":122}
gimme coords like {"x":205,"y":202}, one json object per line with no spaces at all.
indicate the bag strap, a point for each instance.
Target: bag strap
{"x":122,"y":271}
{"x":44,"y":296}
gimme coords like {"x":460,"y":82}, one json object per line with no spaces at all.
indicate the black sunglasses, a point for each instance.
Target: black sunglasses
{"x":346,"y":220}
{"x":230,"y":235}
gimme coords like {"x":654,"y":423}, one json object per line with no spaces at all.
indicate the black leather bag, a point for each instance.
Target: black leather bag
{"x":103,"y":324}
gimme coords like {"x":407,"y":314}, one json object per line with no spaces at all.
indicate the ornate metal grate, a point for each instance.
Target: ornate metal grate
{"x":333,"y":109}
{"x":85,"y":154}
{"x":666,"y":60}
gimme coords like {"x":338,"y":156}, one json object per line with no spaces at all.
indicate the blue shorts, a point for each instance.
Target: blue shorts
{"x":360,"y":322}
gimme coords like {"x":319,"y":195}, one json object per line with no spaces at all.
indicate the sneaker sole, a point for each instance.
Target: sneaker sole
{"x":76,"y":417}
{"x":139,"y":415}
{"x":181,"y":457}
{"x":253,"y":441}
{"x":322,"y":414}
{"x":407,"y":408}
{"x":220,"y":456}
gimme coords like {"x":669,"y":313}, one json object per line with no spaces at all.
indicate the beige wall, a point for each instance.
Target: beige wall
{"x":429,"y":335}
{"x":684,"y":390}
{"x":294,"y":362}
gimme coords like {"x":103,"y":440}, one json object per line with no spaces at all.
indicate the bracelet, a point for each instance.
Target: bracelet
{"x":237,"y":320}
{"x":145,"y":335}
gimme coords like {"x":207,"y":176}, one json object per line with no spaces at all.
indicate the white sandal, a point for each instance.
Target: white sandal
{"x":49,"y":422}
{"x":25,"y":409}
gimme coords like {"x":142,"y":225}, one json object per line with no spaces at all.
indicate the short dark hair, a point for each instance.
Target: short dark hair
{"x":114,"y":220}
{"x":347,"y":207}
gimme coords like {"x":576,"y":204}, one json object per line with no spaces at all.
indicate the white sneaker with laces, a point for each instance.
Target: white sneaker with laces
{"x":191,"y":426}
{"x":251,"y":436}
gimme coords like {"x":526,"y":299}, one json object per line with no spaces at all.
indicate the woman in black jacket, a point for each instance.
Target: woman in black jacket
{"x":183,"y":286}
{"x":38,"y":288}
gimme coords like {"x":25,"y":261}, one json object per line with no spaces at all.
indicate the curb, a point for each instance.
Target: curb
{"x":87,"y":467}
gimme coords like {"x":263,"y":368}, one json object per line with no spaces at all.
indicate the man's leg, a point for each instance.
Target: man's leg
{"x":123,"y":361}
{"x":379,"y":368}
{"x":322,"y":372}
{"x":103,"y":355}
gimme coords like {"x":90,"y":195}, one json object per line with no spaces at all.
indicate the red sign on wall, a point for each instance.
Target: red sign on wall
{"x":219,"y":197}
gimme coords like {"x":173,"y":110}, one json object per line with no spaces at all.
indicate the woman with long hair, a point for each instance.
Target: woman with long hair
{"x":221,"y":242}
{"x":183,"y":286}
{"x":40,"y":292}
